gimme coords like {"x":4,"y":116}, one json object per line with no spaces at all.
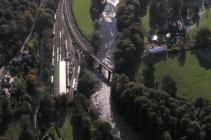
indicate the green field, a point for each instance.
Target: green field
{"x":145,"y":22}
{"x":66,"y":130}
{"x":83,"y":17}
{"x":206,"y":21}
{"x":192,"y":79}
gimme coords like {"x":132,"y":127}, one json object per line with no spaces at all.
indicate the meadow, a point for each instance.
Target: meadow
{"x":81,"y":11}
{"x":192,"y":79}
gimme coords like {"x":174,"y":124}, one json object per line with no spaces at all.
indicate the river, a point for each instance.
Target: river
{"x":102,"y":98}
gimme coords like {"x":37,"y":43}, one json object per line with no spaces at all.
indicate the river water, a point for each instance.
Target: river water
{"x":102,"y":98}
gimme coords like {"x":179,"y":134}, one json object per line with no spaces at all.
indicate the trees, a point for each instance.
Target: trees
{"x":97,"y":8}
{"x":29,"y":19}
{"x":102,"y":131}
{"x":130,"y":44}
{"x":82,"y":126}
{"x":172,"y":15}
{"x":125,"y":16}
{"x":143,"y":7}
{"x":15,"y":22}
{"x":129,"y":49}
{"x":31,"y":81}
{"x":203,"y":38}
{"x":26,"y":132}
{"x":86,"y":83}
{"x":96,"y":41}
{"x":45,"y":20}
{"x":200,"y":102}
{"x":169,"y":85}
{"x":46,"y":113}
{"x":160,"y":115}
{"x":148,"y":73}
{"x":159,"y":13}
{"x":149,"y":77}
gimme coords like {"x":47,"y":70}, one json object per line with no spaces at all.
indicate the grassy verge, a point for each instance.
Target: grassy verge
{"x":192,"y":79}
{"x":83,"y":17}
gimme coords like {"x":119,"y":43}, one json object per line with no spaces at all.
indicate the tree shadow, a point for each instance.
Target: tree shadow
{"x":181,"y":57}
{"x":203,"y":56}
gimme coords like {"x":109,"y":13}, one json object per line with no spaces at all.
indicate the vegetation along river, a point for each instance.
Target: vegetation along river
{"x":101,"y":99}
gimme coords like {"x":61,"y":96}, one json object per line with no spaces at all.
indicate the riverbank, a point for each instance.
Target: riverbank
{"x":102,"y":98}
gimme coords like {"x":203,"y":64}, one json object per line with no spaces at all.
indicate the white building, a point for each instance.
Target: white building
{"x":60,"y":85}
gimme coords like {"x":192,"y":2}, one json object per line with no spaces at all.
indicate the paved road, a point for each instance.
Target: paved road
{"x":64,"y":49}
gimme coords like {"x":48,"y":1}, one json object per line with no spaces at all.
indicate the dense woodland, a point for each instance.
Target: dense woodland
{"x":159,"y":113}
{"x":27,"y":90}
{"x":16,"y":19}
{"x":96,"y":9}
{"x":130,"y":38}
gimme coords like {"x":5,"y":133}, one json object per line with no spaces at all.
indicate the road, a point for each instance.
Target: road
{"x":63,"y":49}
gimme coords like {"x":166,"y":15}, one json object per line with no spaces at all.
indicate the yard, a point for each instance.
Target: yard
{"x":83,"y":17}
{"x":192,"y":79}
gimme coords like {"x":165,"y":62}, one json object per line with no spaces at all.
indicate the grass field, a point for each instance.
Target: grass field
{"x":66,"y":130}
{"x":145,"y":22}
{"x":82,"y":16}
{"x":206,"y":21}
{"x":192,"y":79}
